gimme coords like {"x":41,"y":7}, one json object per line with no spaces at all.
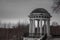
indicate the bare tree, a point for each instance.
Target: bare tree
{"x":56,"y":5}
{"x":55,"y":24}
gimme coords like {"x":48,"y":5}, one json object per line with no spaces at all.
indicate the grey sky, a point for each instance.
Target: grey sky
{"x":13,"y":10}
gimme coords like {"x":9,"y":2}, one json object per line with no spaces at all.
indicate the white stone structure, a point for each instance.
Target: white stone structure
{"x":40,"y":15}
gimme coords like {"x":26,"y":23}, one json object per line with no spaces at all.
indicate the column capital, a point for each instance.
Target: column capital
{"x":48,"y":27}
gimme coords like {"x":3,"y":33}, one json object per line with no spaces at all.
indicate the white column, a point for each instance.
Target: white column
{"x":48,"y":27}
{"x":45,"y":27}
{"x":33,"y":27}
{"x":38,"y":31}
{"x":40,"y":27}
{"x":30,"y":26}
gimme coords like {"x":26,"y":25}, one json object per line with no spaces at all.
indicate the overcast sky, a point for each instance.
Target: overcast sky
{"x":13,"y":10}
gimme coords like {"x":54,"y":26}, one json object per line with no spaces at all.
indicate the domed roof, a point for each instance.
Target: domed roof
{"x":39,"y":12}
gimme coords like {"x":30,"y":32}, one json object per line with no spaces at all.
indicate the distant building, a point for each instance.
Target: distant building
{"x":55,"y":30}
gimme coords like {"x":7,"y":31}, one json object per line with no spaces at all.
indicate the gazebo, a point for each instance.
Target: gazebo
{"x":39,"y":24}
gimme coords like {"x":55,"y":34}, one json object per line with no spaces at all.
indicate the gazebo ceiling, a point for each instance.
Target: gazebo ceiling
{"x":39,"y":12}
